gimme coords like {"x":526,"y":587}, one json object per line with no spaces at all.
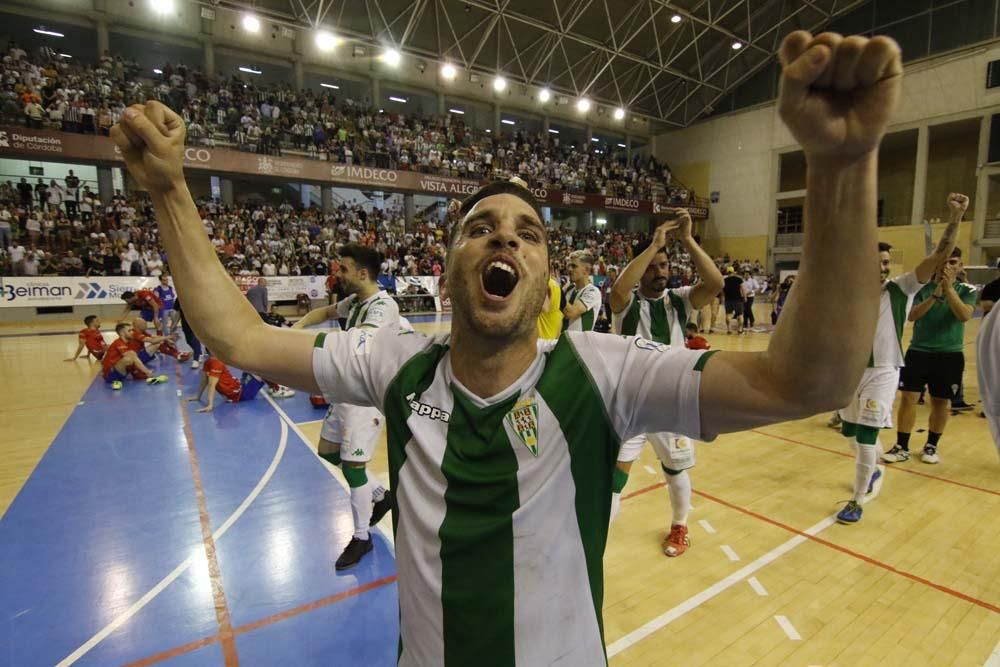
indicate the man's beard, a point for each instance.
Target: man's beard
{"x":513,"y":326}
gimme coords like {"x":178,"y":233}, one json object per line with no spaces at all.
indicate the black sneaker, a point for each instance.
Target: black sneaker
{"x":961,"y":407}
{"x":381,"y":507}
{"x":355,"y":551}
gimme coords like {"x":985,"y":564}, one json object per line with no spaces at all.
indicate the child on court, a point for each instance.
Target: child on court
{"x":217,"y":378}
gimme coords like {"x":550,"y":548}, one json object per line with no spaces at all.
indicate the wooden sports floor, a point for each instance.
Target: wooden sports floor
{"x":770,"y":578}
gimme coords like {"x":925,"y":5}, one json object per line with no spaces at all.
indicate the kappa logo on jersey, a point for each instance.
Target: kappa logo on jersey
{"x":358,"y":452}
{"x":425,"y":410}
{"x":651,"y":345}
{"x":523,"y":420}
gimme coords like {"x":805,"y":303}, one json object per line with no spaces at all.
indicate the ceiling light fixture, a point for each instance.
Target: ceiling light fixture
{"x":162,"y":6}
{"x":551,"y":131}
{"x":157,"y":70}
{"x":249,"y":70}
{"x":42,"y":30}
{"x":583,"y":105}
{"x":330,"y":85}
{"x":737,"y":46}
{"x":507,"y":122}
{"x":622,"y":146}
{"x":401,"y":100}
{"x":499,"y":84}
{"x":676,"y":18}
{"x":325,"y":40}
{"x":448,"y":71}
{"x":251,"y":23}
{"x":619,"y":113}
{"x":458,"y":111}
{"x":544,"y":95}
{"x":391,"y":57}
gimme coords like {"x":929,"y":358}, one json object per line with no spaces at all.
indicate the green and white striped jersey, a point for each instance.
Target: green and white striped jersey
{"x":378,"y":310}
{"x":894,"y":306}
{"x":661,"y":320}
{"x":503,"y":503}
{"x":590,"y":296}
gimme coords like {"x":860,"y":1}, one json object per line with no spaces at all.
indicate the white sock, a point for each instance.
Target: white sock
{"x":679,"y":488}
{"x":864,"y":467}
{"x":616,"y":504}
{"x":361,"y":509}
{"x":378,"y":491}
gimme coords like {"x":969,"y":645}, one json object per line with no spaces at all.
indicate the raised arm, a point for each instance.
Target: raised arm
{"x":957,"y":204}
{"x":837,"y":95}
{"x":709,"y":276}
{"x":316,"y":316}
{"x":622,"y":289}
{"x":151,"y":138}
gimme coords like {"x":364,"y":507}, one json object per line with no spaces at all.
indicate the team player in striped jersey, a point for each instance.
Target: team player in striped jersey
{"x":652,"y":311}
{"x":583,"y":299}
{"x":871,"y":408}
{"x":351,"y":432}
{"x":502,"y":449}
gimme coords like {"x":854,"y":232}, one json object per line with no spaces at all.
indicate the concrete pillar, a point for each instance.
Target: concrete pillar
{"x":105,"y":185}
{"x":226,"y":186}
{"x":496,"y":118}
{"x":628,"y":147}
{"x":103,"y":41}
{"x":208,"y":56}
{"x":442,"y":107}
{"x":545,"y":125}
{"x":376,"y":93}
{"x":920,"y":176}
{"x":378,"y":200}
{"x":978,"y":253}
{"x":299,"y":75}
{"x":409,"y":210}
{"x":590,"y":134}
{"x":326,"y":196}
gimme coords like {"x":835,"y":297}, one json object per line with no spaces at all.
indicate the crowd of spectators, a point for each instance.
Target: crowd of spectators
{"x":52,"y":92}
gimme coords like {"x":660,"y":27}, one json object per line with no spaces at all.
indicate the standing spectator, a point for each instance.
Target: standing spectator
{"x":15,"y":253}
{"x":750,"y":288}
{"x":6,"y":231}
{"x":735,"y":300}
{"x":72,"y":191}
{"x":42,"y":192}
{"x":25,"y":190}
{"x":257,"y":296}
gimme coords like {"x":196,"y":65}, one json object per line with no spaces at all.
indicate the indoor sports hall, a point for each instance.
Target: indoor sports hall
{"x":137,"y":530}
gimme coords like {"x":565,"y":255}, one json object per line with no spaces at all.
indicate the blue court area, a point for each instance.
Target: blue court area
{"x":139,"y":539}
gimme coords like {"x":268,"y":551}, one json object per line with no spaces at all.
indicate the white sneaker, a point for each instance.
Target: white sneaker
{"x":195,"y":363}
{"x":283,"y":392}
{"x":930,"y":455}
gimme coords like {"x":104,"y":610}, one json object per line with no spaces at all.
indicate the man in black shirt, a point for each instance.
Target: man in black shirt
{"x":72,"y":193}
{"x":25,"y":190}
{"x":732,"y":290}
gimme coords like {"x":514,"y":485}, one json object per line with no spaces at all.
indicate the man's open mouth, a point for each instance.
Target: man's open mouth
{"x":499,"y":279}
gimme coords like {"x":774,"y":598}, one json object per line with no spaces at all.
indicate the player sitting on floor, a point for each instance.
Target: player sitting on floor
{"x":119,"y":361}
{"x":146,"y":346}
{"x":216,"y":377}
{"x":692,"y":340}
{"x":91,"y":338}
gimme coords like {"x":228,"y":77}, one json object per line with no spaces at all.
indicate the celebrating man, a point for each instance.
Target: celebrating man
{"x":502,"y":449}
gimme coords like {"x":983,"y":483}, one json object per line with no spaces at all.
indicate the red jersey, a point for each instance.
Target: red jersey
{"x":145,"y":299}
{"x":137,"y":342}
{"x":696,"y":343}
{"x":228,"y":386}
{"x":115,"y":352}
{"x":94,"y":340}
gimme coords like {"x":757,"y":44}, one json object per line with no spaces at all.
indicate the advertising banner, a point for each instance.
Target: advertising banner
{"x":90,"y":149}
{"x":41,"y":291}
{"x":286,"y":288}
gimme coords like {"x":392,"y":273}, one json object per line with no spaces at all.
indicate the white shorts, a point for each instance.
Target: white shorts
{"x":355,"y":428}
{"x":676,"y":452}
{"x":872,"y":404}
{"x":994,"y":422}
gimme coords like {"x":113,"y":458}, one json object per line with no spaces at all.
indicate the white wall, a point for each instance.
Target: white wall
{"x":742,"y":147}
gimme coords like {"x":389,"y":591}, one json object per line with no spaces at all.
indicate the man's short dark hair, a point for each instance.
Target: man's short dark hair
{"x":121,"y":326}
{"x":489,"y":190}
{"x":957,"y":252}
{"x":884,"y":247}
{"x":89,"y":319}
{"x":691,"y":326}
{"x":364,"y":257}
{"x":127,"y":296}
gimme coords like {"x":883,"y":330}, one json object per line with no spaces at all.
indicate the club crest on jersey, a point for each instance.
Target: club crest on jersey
{"x":651,"y":345}
{"x":523,"y":420}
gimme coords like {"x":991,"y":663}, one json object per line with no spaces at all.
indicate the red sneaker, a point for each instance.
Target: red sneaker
{"x":677,"y":542}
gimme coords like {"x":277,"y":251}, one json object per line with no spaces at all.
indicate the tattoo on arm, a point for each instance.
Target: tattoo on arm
{"x":947,"y":238}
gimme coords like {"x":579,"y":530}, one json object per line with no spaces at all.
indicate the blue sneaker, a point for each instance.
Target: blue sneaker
{"x":850,"y":514}
{"x":875,"y":476}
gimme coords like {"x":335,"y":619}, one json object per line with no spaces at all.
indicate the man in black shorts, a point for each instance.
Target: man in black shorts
{"x":735,"y":297}
{"x":935,"y":358}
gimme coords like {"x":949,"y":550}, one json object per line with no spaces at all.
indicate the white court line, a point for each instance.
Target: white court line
{"x":757,"y":587}
{"x":649,"y":469}
{"x":695,"y":601}
{"x":180,"y":569}
{"x":994,"y":659}
{"x":730,"y":553}
{"x":385,"y":525}
{"x":789,"y":629}
{"x":707,"y":526}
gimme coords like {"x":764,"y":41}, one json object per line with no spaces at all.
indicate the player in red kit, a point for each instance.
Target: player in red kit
{"x":692,"y":340}
{"x":217,"y":378}
{"x":146,"y":346}
{"x":119,"y":361}
{"x":145,"y":301}
{"x":91,"y":338}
